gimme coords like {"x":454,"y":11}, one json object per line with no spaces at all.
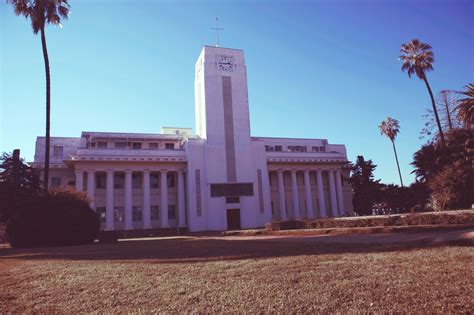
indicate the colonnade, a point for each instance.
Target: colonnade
{"x":335,"y":192}
{"x":146,"y":204}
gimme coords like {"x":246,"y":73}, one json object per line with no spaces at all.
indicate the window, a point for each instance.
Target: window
{"x":119,"y":181}
{"x":278,"y":148}
{"x":118,"y":214}
{"x":315,"y":149}
{"x":154,"y":181}
{"x":120,"y":145}
{"x":102,"y":145}
{"x":155,"y":213}
{"x":55,"y":182}
{"x":232,"y":200}
{"x":297,"y":148}
{"x":136,"y":181}
{"x":322,"y":149}
{"x":153,"y":145}
{"x":58,"y":151}
{"x":169,"y":146}
{"x":269,"y":148}
{"x":136,"y":213}
{"x":171,"y":180}
{"x":136,"y":145}
{"x":100,"y":181}
{"x":172,"y":212}
{"x":223,"y":190}
{"x":101,"y":212}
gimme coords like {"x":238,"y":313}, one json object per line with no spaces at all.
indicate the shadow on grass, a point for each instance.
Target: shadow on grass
{"x":204,"y":249}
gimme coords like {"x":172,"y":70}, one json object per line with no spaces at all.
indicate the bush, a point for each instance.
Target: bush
{"x":58,"y":218}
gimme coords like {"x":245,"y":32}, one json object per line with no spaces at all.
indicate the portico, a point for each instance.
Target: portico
{"x":130,"y":192}
{"x":300,"y":192}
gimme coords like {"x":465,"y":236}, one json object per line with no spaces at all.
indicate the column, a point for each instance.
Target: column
{"x":321,"y":201}
{"x":79,"y":180}
{"x":308,"y":197}
{"x":90,"y":187}
{"x":109,"y":201}
{"x":332,"y":192}
{"x":295,"y":196}
{"x":164,"y":199}
{"x":146,"y":200}
{"x":340,"y":196}
{"x":281,"y":196}
{"x":128,"y":200}
{"x":181,"y":208}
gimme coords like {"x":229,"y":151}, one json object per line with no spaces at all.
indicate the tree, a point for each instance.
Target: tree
{"x":417,"y":58}
{"x":364,"y":186}
{"x":11,"y":169}
{"x":466,"y":106}
{"x":42,"y":12}
{"x":446,"y":103}
{"x":17,"y":180}
{"x":424,"y":162}
{"x":391,"y":128}
{"x":448,"y":171}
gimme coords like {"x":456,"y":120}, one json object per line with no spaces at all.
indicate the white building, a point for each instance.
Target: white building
{"x":221,"y":178}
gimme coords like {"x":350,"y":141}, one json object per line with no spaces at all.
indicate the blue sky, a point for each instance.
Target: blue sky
{"x":322,"y":69}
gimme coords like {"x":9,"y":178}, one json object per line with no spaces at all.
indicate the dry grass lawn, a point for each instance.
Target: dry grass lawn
{"x":374,"y":273}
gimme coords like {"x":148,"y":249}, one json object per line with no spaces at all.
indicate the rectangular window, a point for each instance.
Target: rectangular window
{"x":278,"y":148}
{"x":136,"y":213}
{"x":322,"y":149}
{"x":119,"y":214}
{"x":58,"y":151}
{"x":315,"y":149}
{"x":232,"y":200}
{"x":269,"y":148}
{"x":120,"y":145}
{"x":100,"y":181}
{"x":172,"y":212}
{"x":231,"y":190}
{"x":136,"y":145}
{"x":119,"y":181}
{"x":55,"y":182}
{"x":169,"y":146}
{"x":136,"y":181}
{"x":171,"y":180}
{"x":291,"y":148}
{"x":154,"y":181}
{"x":102,"y":144}
{"x":153,"y":145}
{"x":155,"y":213}
{"x":198,"y":192}
{"x":101,"y":212}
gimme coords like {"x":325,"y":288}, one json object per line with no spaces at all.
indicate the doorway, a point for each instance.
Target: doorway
{"x":233,"y":219}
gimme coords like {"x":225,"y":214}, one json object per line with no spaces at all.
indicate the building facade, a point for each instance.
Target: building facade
{"x":220,"y":178}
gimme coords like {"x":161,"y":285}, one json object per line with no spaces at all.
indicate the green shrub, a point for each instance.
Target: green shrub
{"x":58,"y":218}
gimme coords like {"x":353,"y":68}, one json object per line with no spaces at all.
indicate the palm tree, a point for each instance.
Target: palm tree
{"x":391,"y":128}
{"x":466,"y":106}
{"x":418,"y":58}
{"x":42,"y":12}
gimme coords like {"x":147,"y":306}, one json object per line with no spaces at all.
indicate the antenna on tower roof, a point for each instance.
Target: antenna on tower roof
{"x":217,"y":29}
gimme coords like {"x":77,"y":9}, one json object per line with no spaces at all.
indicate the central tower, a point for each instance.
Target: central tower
{"x":222,"y":120}
{"x":222,"y":114}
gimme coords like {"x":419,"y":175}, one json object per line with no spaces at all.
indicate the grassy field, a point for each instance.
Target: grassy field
{"x":372,"y":273}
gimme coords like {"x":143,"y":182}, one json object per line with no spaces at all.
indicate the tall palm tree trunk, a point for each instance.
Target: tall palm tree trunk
{"x":435,"y":110}
{"x":398,"y":165}
{"x":48,"y":110}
